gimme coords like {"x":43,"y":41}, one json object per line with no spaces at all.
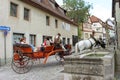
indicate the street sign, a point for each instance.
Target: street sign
{"x":5,"y":28}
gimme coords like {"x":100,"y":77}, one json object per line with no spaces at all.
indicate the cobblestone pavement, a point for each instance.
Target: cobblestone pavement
{"x":49,"y":71}
{"x":52,"y":70}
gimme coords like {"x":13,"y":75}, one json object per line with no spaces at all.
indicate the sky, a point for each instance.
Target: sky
{"x":101,"y":8}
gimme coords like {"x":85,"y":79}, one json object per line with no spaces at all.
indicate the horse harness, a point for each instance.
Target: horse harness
{"x":91,"y":44}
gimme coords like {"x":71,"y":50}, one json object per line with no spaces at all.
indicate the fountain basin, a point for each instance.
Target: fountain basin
{"x":90,"y":66}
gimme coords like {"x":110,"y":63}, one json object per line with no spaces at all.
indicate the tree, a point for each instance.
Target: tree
{"x":77,"y":10}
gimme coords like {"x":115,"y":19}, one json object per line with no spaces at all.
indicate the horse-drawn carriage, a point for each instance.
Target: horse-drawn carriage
{"x":24,"y":56}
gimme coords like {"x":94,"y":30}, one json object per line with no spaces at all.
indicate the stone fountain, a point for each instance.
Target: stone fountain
{"x":92,"y":65}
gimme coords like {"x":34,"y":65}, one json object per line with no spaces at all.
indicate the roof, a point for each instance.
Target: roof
{"x":50,"y":7}
{"x":94,"y":19}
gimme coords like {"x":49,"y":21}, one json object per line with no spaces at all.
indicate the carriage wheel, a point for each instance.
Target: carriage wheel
{"x":22,"y":65}
{"x":58,"y":57}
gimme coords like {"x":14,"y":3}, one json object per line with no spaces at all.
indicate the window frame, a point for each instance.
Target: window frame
{"x":11,"y":9}
{"x":86,"y":35}
{"x":48,"y":20}
{"x":68,"y":40}
{"x":28,"y":14}
{"x":32,"y":39}
{"x":17,"y":37}
{"x":64,"y":40}
{"x":56,"y":23}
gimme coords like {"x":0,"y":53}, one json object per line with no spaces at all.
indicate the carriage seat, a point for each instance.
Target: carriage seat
{"x":26,"y":48}
{"x":22,"y":45}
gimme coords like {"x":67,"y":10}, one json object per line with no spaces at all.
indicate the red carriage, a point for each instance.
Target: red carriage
{"x":23,"y":56}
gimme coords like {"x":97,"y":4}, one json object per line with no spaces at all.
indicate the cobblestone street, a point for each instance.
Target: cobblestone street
{"x":50,"y":71}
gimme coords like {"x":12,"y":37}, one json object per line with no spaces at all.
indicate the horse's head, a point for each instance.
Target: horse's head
{"x":101,"y":43}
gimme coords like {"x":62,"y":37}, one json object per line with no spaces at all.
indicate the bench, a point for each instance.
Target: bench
{"x":25,"y":48}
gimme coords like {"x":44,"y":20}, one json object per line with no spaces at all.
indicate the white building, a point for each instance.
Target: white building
{"x":97,"y":27}
{"x":33,"y":19}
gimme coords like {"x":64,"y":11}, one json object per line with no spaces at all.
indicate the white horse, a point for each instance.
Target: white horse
{"x":84,"y":44}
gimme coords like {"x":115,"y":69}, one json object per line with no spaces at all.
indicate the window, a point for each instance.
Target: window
{"x":74,"y":39}
{"x":94,"y":24}
{"x":56,"y":23}
{"x":13,"y":9}
{"x":98,"y":29}
{"x":86,"y":35}
{"x":67,"y":27}
{"x":26,"y":14}
{"x":17,"y":37}
{"x":47,"y":20}
{"x":68,"y":40}
{"x":33,"y":39}
{"x":45,"y":36}
{"x":64,"y":41}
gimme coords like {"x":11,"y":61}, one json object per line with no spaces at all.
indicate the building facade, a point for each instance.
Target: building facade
{"x":87,"y":29}
{"x":93,"y":24}
{"x":35,"y":20}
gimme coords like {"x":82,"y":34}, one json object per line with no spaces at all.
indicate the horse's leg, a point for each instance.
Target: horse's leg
{"x":81,"y":50}
{"x":76,"y":48}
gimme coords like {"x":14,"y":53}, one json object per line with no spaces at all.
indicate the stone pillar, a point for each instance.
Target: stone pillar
{"x":117,"y":55}
{"x":107,"y":36}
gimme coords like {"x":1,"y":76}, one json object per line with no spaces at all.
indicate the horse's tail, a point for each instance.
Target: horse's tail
{"x":76,"y":48}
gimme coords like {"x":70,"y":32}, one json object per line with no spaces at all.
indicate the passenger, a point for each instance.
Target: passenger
{"x":42,"y":48}
{"x":58,"y":41}
{"x":45,"y":43}
{"x":23,"y":41}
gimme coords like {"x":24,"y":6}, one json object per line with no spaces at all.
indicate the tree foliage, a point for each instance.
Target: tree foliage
{"x":77,"y":9}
